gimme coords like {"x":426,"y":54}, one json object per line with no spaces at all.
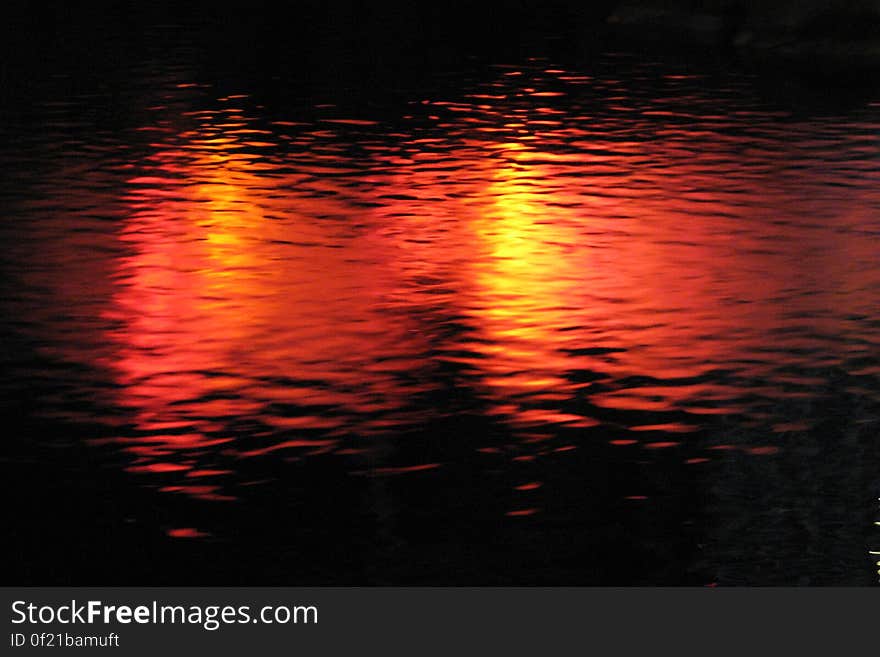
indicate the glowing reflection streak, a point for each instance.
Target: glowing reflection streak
{"x":524,"y":285}
{"x":218,"y":300}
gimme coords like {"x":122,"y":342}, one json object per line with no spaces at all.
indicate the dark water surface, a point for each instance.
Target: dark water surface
{"x":523,"y":319}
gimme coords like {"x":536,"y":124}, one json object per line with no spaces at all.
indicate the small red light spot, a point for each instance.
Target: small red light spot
{"x":186,"y":532}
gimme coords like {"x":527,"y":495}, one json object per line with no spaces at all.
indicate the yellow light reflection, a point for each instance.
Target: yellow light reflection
{"x":525,"y":281}
{"x":223,"y":302}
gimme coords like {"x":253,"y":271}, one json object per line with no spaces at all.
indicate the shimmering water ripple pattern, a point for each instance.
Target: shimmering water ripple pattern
{"x":631,"y":308}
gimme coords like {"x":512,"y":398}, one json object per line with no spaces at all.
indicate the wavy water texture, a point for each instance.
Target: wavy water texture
{"x":603,"y":304}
